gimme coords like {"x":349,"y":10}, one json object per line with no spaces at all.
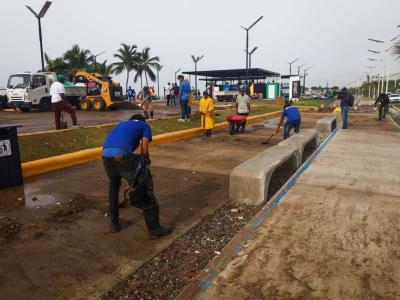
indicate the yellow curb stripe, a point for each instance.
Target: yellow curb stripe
{"x":53,"y":163}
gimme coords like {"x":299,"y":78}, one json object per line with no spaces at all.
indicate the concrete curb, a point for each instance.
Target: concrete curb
{"x":49,"y":164}
{"x":207,"y":277}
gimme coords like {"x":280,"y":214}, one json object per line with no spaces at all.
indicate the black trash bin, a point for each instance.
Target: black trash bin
{"x":10,"y":161}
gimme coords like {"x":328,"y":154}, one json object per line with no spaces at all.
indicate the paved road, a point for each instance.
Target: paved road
{"x":40,"y":121}
{"x":336,"y":234}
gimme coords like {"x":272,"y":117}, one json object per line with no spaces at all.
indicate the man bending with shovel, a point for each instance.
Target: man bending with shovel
{"x":120,"y":161}
{"x":293,"y":121}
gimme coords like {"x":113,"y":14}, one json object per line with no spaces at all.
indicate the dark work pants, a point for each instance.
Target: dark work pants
{"x":184,"y":109}
{"x":134,"y":169}
{"x":289,"y":125}
{"x":60,"y":106}
{"x":383,"y":109}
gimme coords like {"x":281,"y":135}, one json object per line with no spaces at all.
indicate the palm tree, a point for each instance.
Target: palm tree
{"x":144,"y":65}
{"x":55,"y":65}
{"x":127,"y":56}
{"x":77,"y":58}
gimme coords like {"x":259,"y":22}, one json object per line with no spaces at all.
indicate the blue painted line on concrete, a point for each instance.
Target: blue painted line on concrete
{"x":271,"y":205}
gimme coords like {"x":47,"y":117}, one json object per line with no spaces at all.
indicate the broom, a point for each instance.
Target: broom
{"x":270,"y":138}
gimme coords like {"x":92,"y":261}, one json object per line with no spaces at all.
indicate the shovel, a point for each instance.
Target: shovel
{"x":270,"y":138}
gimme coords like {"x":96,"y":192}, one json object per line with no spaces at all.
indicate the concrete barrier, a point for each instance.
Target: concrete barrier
{"x":249,"y":182}
{"x":325,"y":126}
{"x":306,"y":139}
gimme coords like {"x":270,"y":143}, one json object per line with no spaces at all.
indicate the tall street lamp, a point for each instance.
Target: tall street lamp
{"x":290,"y":65}
{"x":158,"y":68}
{"x":247,"y":40}
{"x":94,"y":57}
{"x":304,"y":78}
{"x":299,"y":67}
{"x":39,"y":16}
{"x":177,"y":71}
{"x":250,"y":54}
{"x":196,"y":60}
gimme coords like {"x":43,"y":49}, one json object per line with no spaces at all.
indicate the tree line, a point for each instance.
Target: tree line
{"x":129,"y":59}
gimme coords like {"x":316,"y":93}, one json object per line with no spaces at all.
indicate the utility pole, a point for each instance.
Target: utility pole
{"x":39,"y":16}
{"x":196,"y":60}
{"x":250,"y":55}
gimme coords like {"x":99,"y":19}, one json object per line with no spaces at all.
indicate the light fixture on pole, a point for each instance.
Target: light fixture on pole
{"x":290,"y":65}
{"x":250,"y":54}
{"x":299,"y":67}
{"x":177,"y":71}
{"x":39,"y":16}
{"x":247,"y":40}
{"x":376,"y":41}
{"x":196,"y":60}
{"x":371,"y":59}
{"x":94,"y":57}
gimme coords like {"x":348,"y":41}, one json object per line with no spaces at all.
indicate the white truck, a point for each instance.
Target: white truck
{"x":27,"y":91}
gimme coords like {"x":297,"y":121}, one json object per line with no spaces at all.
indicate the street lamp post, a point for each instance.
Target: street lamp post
{"x":196,"y":60}
{"x":250,"y":54}
{"x":247,"y":41}
{"x":304,"y":78}
{"x":290,"y":65}
{"x":39,"y":16}
{"x":299,"y":67}
{"x":177,"y":71}
{"x":158,"y":68}
{"x":95,"y":59}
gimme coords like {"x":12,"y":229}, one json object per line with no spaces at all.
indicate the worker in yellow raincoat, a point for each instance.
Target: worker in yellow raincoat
{"x":206,"y":108}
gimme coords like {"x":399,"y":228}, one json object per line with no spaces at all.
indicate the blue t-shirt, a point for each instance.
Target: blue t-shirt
{"x":291,"y":113}
{"x":125,"y":138}
{"x":130,"y":92}
{"x":185,"y":89}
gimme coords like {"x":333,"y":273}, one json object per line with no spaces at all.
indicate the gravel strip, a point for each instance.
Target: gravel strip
{"x":165,"y":276}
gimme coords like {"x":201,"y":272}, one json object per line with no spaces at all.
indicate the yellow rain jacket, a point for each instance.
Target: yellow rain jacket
{"x":206,"y":108}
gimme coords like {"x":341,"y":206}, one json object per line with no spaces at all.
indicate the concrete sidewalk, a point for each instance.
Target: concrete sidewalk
{"x":336,"y":234}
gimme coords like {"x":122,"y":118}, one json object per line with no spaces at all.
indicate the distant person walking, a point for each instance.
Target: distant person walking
{"x":60,"y":103}
{"x":383,"y":101}
{"x":167,"y":93}
{"x":176,"y":94}
{"x":293,"y":119}
{"x":346,"y":101}
{"x":206,"y":108}
{"x":130,"y":93}
{"x":184,"y":94}
{"x":147,"y":106}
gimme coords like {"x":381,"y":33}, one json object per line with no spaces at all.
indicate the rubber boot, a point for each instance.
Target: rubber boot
{"x":151,"y":114}
{"x":152,"y":220}
{"x":146,"y":114}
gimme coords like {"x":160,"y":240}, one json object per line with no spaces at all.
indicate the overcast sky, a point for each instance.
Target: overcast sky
{"x":330,"y":35}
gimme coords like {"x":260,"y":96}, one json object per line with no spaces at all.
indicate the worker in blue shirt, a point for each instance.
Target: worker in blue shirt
{"x":120,"y":162}
{"x":130,"y":93}
{"x":184,"y":94}
{"x":293,"y":119}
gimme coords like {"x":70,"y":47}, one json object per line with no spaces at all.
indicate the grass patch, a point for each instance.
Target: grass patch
{"x":33,"y":147}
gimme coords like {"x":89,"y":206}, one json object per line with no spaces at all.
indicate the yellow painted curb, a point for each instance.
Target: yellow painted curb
{"x":53,"y":163}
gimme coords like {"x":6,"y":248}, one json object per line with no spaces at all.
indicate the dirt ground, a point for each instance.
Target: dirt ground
{"x":40,"y":121}
{"x":335,"y":235}
{"x":56,"y":242}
